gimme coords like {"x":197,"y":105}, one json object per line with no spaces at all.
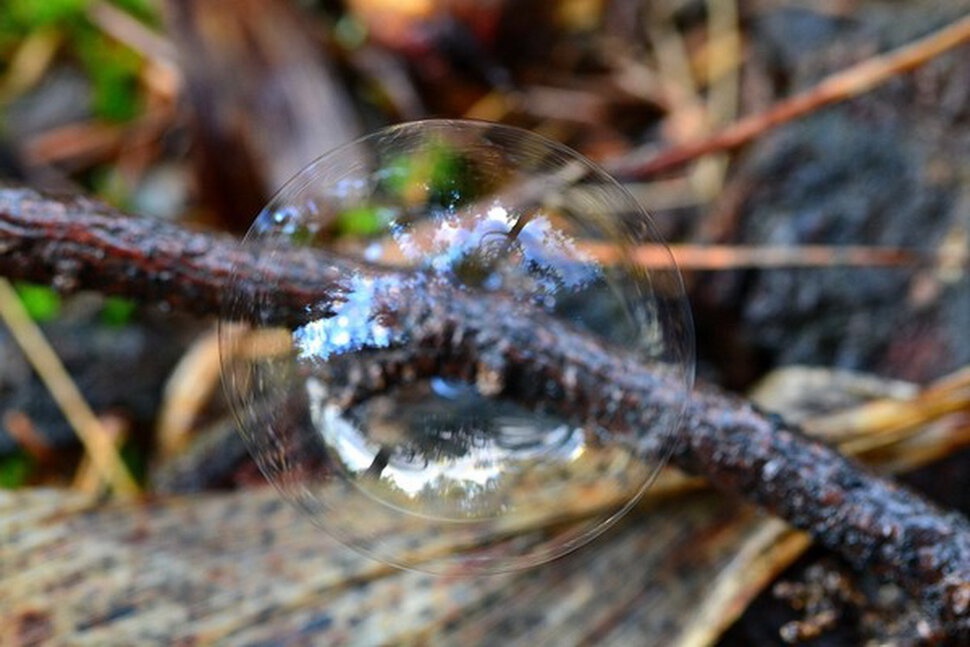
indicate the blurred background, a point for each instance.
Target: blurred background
{"x":836,"y":241}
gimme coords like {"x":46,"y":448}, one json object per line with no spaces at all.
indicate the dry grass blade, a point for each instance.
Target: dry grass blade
{"x":191,"y":385}
{"x":688,"y":114}
{"x":765,"y":553}
{"x":96,"y":440}
{"x":843,"y":85}
{"x":87,"y":479}
{"x":943,"y":439}
{"x":187,"y":391}
{"x":884,"y":422}
{"x":723,"y":97}
{"x":29,"y":62}
{"x":774,"y":545}
{"x":169,"y":560}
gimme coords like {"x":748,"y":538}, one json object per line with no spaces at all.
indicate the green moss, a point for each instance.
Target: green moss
{"x":41,"y":302}
{"x":136,"y":461}
{"x":113,"y":71}
{"x":111,"y":67}
{"x":15,"y":469}
{"x":117,"y":311}
{"x":31,"y":14}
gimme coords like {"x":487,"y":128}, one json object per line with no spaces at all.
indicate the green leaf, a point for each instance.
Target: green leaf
{"x":117,"y":311}
{"x":42,"y":302}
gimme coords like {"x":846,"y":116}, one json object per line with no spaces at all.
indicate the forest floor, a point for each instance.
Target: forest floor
{"x":837,"y":240}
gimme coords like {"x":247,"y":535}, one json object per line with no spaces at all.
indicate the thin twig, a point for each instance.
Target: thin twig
{"x":843,"y":85}
{"x":125,"y":28}
{"x":728,"y":257}
{"x":160,"y":73}
{"x":21,"y":428}
{"x":91,"y":141}
{"x":96,"y":440}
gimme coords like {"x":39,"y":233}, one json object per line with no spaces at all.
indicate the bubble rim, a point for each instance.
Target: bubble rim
{"x":684,"y":342}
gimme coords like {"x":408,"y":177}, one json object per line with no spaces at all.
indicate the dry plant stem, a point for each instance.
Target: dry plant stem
{"x":21,"y":428}
{"x":889,"y":421}
{"x":29,"y":62}
{"x":87,"y":478}
{"x":878,"y":526}
{"x":96,"y":439}
{"x":688,"y":114}
{"x":723,"y":77}
{"x":840,"y":86}
{"x":756,"y":564}
{"x":187,"y":390}
{"x":726,"y":257}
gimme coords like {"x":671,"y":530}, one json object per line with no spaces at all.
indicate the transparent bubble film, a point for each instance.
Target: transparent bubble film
{"x":454,"y":393}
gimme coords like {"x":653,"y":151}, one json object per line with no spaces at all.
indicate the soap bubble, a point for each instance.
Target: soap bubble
{"x":413,"y":330}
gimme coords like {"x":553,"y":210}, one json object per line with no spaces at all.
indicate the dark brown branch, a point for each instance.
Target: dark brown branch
{"x":73,"y":242}
{"x":840,"y":86}
{"x":520,"y":354}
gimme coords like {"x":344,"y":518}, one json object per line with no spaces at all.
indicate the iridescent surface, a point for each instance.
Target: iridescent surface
{"x":489,"y":215}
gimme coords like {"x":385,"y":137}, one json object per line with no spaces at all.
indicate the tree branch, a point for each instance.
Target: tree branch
{"x":79,"y":243}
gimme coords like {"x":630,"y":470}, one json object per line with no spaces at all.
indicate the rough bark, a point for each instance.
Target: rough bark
{"x":878,"y":526}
